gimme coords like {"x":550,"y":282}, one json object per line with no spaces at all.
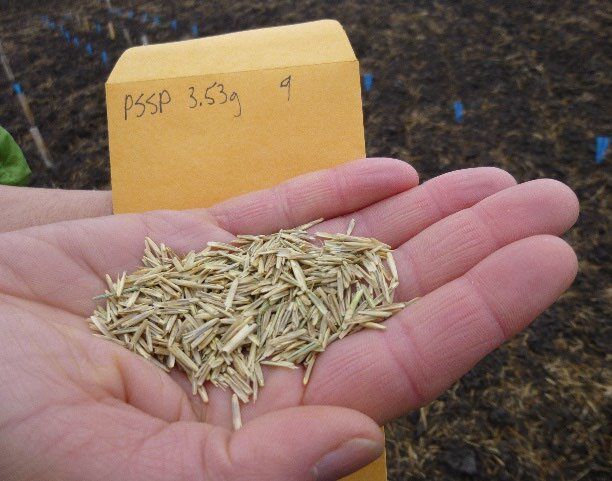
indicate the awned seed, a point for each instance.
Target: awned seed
{"x":262,"y":300}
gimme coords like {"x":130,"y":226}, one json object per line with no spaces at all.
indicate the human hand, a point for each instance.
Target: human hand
{"x":23,"y":207}
{"x":478,"y":250}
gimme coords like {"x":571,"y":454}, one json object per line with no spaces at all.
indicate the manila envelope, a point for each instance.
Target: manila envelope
{"x":195,"y":122}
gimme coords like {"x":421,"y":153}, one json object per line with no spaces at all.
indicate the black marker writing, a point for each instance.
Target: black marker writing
{"x":153,"y":103}
{"x":286,"y":83}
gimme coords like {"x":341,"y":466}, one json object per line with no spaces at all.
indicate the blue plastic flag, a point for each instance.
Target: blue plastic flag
{"x":67,"y":36}
{"x":458,"y":107}
{"x":17,"y":88}
{"x":98,"y":28}
{"x":52,"y":24}
{"x":195,"y":31}
{"x":130,"y":14}
{"x":144,"y":17}
{"x":89,"y":49}
{"x":156,"y":20}
{"x":75,"y":41}
{"x":174,"y":25}
{"x":601,"y":148}
{"x":368,"y":81}
{"x":104,"y":57}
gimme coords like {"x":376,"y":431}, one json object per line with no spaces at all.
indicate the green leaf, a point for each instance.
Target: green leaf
{"x":14,"y":169}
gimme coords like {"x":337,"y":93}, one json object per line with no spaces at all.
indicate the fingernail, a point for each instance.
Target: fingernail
{"x":345,"y":460}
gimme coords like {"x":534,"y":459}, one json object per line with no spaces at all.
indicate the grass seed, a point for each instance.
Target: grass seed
{"x":262,"y":300}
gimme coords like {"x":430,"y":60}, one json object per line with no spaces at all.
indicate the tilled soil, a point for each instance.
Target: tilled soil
{"x":534,"y":79}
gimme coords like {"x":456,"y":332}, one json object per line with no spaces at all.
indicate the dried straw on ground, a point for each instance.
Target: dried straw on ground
{"x":263,"y":300}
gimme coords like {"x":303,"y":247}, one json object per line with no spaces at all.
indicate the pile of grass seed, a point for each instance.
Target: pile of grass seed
{"x":261,"y":300}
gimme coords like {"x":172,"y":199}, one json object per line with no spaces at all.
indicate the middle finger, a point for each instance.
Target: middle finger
{"x":452,"y":246}
{"x":396,"y":219}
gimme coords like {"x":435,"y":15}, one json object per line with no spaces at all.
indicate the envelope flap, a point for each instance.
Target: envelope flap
{"x":323,"y":41}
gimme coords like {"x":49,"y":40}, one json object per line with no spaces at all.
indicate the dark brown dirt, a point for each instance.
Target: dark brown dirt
{"x":534,"y":78}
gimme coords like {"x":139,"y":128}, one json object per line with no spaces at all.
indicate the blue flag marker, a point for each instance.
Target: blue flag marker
{"x":104,"y":57}
{"x":156,"y":20}
{"x":458,"y":107}
{"x":174,"y":25}
{"x":130,"y":14}
{"x":601,"y":148}
{"x":89,"y":49}
{"x":368,"y":81}
{"x":75,"y":41}
{"x":144,"y":17}
{"x":52,"y":24}
{"x":98,"y":28}
{"x":67,"y":36}
{"x":17,"y":88}
{"x":195,"y":31}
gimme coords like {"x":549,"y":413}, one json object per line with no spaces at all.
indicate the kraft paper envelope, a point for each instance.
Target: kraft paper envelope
{"x":194,"y":122}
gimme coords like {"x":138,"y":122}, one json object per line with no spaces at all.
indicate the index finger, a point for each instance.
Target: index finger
{"x":326,"y":193}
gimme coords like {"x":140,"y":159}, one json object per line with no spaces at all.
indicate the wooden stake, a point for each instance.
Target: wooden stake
{"x":111,"y":30}
{"x":128,"y":38}
{"x":25,"y":106}
{"x":5,"y":65}
{"x":42,"y":148}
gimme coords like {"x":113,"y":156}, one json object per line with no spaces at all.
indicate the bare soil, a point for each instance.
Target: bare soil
{"x":534,"y":79}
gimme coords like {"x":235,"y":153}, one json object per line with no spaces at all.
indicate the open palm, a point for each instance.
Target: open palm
{"x":480,"y":251}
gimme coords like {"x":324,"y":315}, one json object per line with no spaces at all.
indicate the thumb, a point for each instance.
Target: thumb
{"x":313,"y":443}
{"x":310,"y":443}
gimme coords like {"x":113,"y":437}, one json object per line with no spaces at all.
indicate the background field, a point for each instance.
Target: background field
{"x":534,"y":78}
